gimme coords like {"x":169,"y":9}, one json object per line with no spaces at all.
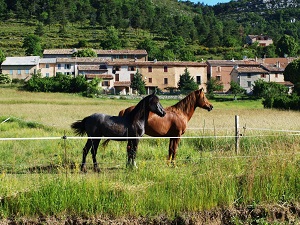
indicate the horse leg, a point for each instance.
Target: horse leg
{"x":173,"y":145}
{"x":131,"y":153}
{"x":85,"y":151}
{"x":95,"y":144}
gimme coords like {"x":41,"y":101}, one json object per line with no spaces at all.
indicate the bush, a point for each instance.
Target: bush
{"x":63,"y":83}
{"x":283,"y":102}
{"x":5,"y":79}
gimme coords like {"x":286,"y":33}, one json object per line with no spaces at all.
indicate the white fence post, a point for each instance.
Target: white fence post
{"x":237,"y":135}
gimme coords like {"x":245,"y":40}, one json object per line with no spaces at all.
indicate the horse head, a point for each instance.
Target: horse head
{"x":202,"y":101}
{"x":155,"y":106}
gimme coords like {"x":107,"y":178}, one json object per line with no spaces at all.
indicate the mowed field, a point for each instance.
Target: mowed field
{"x":41,"y":178}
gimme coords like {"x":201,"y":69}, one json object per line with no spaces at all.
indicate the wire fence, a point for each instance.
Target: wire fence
{"x":242,"y":134}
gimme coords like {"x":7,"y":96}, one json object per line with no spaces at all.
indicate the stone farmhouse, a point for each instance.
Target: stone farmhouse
{"x":116,"y":71}
{"x":262,"y":40}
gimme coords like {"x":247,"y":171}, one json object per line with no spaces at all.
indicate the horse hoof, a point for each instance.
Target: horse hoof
{"x":83,"y":169}
{"x":97,"y":170}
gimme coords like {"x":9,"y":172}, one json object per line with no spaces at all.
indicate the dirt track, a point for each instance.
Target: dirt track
{"x":276,"y":214}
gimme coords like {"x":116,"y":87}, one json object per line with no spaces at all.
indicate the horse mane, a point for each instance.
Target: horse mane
{"x":139,"y":110}
{"x":186,"y":104}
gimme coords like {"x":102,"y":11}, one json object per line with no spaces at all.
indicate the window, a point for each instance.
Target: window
{"x":248,"y":75}
{"x":276,"y":75}
{"x":165,"y":68}
{"x":47,"y":66}
{"x":218,"y":77}
{"x":19,"y":72}
{"x":131,"y":68}
{"x":59,"y":66}
{"x":198,"y":79}
{"x":67,"y":66}
{"x":105,"y":83}
{"x":263,"y":75}
{"x":26,"y":71}
{"x":124,"y":56}
{"x":249,"y":83}
{"x":117,"y":56}
{"x":47,"y":74}
{"x":150,"y":69}
{"x":131,"y":76}
{"x":165,"y":80}
{"x":11,"y":72}
{"x":116,"y":68}
{"x":117,"y":77}
{"x":219,"y":68}
{"x":150,"y":80}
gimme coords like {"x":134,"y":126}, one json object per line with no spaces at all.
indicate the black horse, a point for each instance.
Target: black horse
{"x":132,"y":125}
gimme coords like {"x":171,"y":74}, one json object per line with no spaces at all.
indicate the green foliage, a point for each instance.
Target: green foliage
{"x":138,"y":83}
{"x":263,"y":89}
{"x":2,"y":57}
{"x":214,"y":85}
{"x":236,"y":89}
{"x":186,"y":83}
{"x":291,"y":73}
{"x":85,"y":53}
{"x":5,"y":79}
{"x":63,"y":83}
{"x":112,"y":40}
{"x":287,"y":46}
{"x":39,"y":30}
{"x":32,"y":45}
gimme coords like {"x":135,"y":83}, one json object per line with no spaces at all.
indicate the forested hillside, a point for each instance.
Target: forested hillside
{"x":167,"y":29}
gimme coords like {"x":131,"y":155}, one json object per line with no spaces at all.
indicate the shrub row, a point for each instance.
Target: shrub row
{"x":283,"y":102}
{"x":63,"y":83}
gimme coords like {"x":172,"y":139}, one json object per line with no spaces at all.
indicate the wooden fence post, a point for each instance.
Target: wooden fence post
{"x":237,"y":135}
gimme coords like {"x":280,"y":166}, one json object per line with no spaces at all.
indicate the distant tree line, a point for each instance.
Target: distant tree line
{"x":193,"y":23}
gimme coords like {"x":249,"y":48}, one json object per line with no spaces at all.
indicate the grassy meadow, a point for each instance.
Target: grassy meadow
{"x":42,"y":177}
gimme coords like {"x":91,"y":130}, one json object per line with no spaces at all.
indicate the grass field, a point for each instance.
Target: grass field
{"x":42,"y":178}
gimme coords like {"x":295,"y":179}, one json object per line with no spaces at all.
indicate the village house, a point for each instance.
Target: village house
{"x":117,"y":76}
{"x":221,"y":69}
{"x":20,"y":67}
{"x":262,"y":40}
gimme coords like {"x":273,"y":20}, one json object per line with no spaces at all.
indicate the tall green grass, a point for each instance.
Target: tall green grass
{"x":42,"y":177}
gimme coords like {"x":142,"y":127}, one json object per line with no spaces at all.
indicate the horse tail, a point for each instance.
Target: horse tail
{"x":79,"y":127}
{"x":105,"y":143}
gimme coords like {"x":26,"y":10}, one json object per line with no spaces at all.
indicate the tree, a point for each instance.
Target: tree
{"x":186,"y":83}
{"x":149,"y":45}
{"x":85,"y":53}
{"x":112,"y":39}
{"x":214,"y":85}
{"x":236,"y":89}
{"x":32,"y":45}
{"x":292,"y":74}
{"x":138,"y":84}
{"x":287,"y":46}
{"x":2,"y":57}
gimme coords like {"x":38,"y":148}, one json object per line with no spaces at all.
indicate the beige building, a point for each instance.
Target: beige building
{"x":262,"y":40}
{"x":20,"y":67}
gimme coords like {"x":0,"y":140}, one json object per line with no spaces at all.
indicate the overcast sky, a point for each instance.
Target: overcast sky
{"x":210,"y":2}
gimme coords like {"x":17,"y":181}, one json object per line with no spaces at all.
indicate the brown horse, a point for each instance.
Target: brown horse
{"x":174,"y":123}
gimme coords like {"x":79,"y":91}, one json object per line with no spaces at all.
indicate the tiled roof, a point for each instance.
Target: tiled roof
{"x":48,"y":60}
{"x":232,"y":62}
{"x":286,"y":83}
{"x":82,"y":60}
{"x":102,"y":76}
{"x":251,"y":70}
{"x":157,"y":63}
{"x":89,"y":67}
{"x":21,"y":61}
{"x":122,"y":83}
{"x":273,"y":68}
